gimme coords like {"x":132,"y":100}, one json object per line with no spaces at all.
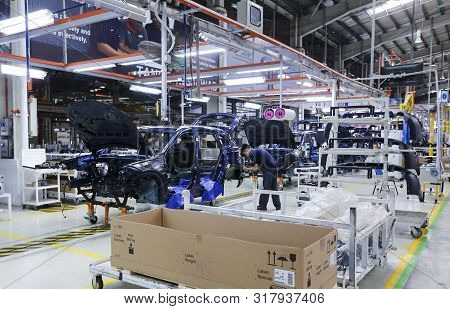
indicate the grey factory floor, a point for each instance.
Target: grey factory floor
{"x":416,"y":263}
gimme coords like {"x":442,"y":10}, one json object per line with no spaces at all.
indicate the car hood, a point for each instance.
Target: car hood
{"x":262,"y":132}
{"x":100,"y":125}
{"x":225,"y":121}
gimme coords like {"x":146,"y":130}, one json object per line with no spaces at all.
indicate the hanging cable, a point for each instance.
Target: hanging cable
{"x":172,"y":45}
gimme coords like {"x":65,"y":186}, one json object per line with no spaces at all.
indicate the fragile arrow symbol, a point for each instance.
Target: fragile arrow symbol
{"x":274,"y":256}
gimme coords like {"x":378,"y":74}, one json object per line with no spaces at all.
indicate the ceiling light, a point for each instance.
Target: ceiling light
{"x":201,"y":52}
{"x":418,"y":37}
{"x":147,"y":62}
{"x":198,"y":97}
{"x":273,"y":53}
{"x":92,"y":68}
{"x":251,"y":105}
{"x":244,"y":81}
{"x":36,"y":20}
{"x":195,"y":77}
{"x":145,"y":89}
{"x":306,"y":84}
{"x":277,"y":68}
{"x":176,"y":80}
{"x":21,"y":71}
{"x":317,"y":99}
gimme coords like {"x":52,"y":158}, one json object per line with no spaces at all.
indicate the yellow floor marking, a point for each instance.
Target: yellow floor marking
{"x":56,"y":246}
{"x":78,"y":251}
{"x":14,"y":236}
{"x":405,"y":258}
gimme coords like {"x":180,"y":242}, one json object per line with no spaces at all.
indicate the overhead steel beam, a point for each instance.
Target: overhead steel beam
{"x":354,"y":49}
{"x":333,"y":13}
{"x":349,"y":30}
{"x":425,"y":52}
{"x":442,"y":11}
{"x":279,"y":9}
{"x":324,"y":38}
{"x":398,"y":47}
{"x":397,"y":26}
{"x":212,"y":71}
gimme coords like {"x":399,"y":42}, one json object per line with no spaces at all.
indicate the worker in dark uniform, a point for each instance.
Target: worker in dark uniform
{"x":264,"y":161}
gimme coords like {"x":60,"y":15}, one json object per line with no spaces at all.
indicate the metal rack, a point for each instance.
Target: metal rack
{"x":374,"y":241}
{"x":103,"y":268}
{"x":335,"y":151}
{"x":43,"y":199}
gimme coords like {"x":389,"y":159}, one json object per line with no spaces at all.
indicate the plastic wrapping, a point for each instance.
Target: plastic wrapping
{"x":212,"y":189}
{"x":175,"y":200}
{"x":327,"y":204}
{"x":334,"y":205}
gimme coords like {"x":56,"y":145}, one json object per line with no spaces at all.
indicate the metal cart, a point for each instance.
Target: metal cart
{"x":416,"y":220}
{"x":103,"y":268}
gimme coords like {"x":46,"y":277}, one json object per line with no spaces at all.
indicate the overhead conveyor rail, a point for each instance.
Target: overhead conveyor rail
{"x":280,"y":53}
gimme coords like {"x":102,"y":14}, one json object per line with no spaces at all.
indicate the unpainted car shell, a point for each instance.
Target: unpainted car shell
{"x":146,"y":178}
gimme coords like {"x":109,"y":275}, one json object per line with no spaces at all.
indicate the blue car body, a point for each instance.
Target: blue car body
{"x":196,"y":158}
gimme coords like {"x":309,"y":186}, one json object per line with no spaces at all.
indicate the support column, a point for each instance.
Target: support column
{"x":164,"y":61}
{"x":19,"y":91}
{"x":372,"y":48}
{"x":3,"y":98}
{"x":219,"y":7}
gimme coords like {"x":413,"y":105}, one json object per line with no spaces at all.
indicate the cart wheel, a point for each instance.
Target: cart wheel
{"x":93,"y":219}
{"x":97,"y":282}
{"x":416,"y":232}
{"x":425,"y":224}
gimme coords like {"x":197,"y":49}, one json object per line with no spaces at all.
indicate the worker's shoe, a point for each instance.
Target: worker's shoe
{"x":260,"y":208}
{"x":277,"y":207}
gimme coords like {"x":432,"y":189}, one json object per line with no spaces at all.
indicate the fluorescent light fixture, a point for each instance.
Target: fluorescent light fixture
{"x":143,"y":61}
{"x":277,"y":68}
{"x":306,"y":84}
{"x":244,"y":96}
{"x":176,"y":80}
{"x":97,"y":67}
{"x":251,"y":105}
{"x":21,"y":71}
{"x":418,"y":37}
{"x":195,"y":77}
{"x":202,"y":52}
{"x":273,"y":53}
{"x":317,"y":99}
{"x":145,"y":89}
{"x":244,"y":81}
{"x":36,"y":20}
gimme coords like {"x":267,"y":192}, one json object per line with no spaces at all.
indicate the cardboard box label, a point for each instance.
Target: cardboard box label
{"x":284,"y":277}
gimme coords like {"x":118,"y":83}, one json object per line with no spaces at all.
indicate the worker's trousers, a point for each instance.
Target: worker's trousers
{"x":270,"y":183}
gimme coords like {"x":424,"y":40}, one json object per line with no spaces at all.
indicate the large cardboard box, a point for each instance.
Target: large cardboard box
{"x":204,"y":250}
